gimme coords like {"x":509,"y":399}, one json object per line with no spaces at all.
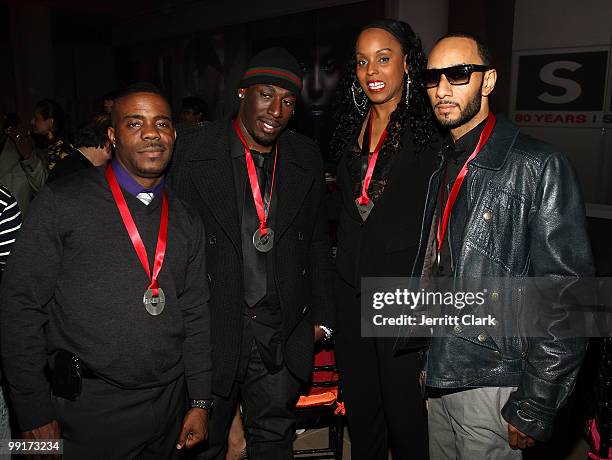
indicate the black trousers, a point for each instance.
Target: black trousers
{"x":383,"y":401}
{"x":267,"y":401}
{"x":107,"y":422}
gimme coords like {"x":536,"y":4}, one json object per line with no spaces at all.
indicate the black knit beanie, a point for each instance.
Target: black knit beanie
{"x":273,"y":66}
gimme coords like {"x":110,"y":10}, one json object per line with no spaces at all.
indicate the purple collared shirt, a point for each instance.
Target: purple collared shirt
{"x":128,"y":183}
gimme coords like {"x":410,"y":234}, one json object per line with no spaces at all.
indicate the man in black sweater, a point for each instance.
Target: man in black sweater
{"x":72,"y":299}
{"x":260,"y":191}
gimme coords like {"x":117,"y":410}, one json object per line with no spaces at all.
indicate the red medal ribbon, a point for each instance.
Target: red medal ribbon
{"x":452,"y":196}
{"x":130,"y":226}
{"x":364,"y":199}
{"x":262,"y":214}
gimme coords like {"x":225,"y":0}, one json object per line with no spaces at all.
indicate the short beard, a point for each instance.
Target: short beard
{"x":471,"y":110}
{"x":264,"y":142}
{"x":144,"y":173}
{"x":261,"y":141}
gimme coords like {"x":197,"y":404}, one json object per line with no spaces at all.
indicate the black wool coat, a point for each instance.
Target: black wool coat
{"x":201,"y":173}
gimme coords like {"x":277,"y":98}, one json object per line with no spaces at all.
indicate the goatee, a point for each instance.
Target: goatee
{"x":471,"y":110}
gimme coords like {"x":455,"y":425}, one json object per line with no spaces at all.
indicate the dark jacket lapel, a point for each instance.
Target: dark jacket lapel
{"x":212,"y":174}
{"x":502,"y":137}
{"x":294,"y":181}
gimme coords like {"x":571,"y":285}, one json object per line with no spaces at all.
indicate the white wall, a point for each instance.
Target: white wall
{"x":429,"y":19}
{"x":561,"y":23}
{"x":549,"y":26}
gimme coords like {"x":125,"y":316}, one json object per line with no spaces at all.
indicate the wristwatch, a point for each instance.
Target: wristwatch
{"x":201,"y":404}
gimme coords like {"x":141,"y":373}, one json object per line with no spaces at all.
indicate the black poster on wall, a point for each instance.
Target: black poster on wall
{"x":562,"y":81}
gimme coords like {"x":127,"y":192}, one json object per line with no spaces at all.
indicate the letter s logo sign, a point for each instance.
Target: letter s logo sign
{"x":572,"y":89}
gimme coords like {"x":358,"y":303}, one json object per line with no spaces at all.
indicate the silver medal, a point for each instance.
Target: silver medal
{"x":263,"y":243}
{"x":364,"y":209}
{"x":154,"y":305}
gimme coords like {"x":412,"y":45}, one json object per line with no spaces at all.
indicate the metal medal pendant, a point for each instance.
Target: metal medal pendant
{"x":364,"y":209}
{"x":154,"y":305}
{"x":263,"y":243}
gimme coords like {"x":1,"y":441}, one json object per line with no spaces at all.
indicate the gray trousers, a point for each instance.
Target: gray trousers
{"x":468,"y":425}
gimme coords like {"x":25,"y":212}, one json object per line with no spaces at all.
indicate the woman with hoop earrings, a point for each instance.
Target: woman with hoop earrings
{"x":384,"y":140}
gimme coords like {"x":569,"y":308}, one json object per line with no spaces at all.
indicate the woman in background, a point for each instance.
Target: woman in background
{"x":384,"y":138}
{"x":48,"y":128}
{"x":43,"y":144}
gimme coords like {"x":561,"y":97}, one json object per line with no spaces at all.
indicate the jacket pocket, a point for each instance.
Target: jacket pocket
{"x":498,"y":226}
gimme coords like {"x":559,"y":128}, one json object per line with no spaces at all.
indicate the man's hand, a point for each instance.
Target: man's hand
{"x":518,"y":440}
{"x":195,"y":428}
{"x":318,"y":333}
{"x":22,"y":140}
{"x":49,"y":431}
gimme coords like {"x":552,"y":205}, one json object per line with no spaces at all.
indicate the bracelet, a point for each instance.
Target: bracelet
{"x":327,"y":331}
{"x":201,"y":404}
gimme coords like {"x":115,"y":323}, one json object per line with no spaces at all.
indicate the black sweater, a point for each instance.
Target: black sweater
{"x":74,"y":282}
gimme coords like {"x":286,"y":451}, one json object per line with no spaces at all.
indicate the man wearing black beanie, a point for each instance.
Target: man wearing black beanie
{"x":260,"y":189}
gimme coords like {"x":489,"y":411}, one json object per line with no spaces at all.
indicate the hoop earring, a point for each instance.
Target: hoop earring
{"x":362,"y":105}
{"x":407,"y":90}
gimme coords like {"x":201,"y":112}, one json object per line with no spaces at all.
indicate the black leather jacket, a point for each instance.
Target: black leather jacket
{"x":535,"y":225}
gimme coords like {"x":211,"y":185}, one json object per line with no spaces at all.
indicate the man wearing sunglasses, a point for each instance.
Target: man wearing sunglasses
{"x":517,"y":212}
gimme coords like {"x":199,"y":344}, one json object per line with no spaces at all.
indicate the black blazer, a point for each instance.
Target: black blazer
{"x":201,"y":174}
{"x":386,"y":243}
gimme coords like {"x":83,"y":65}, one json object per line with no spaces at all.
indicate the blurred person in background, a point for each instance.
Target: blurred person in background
{"x":91,"y":148}
{"x":108,"y":100}
{"x":45,"y":140}
{"x":49,"y":130}
{"x":193,"y":110}
{"x":18,"y":173}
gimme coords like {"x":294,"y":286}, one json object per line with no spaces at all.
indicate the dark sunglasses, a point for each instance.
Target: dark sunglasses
{"x":456,"y":75}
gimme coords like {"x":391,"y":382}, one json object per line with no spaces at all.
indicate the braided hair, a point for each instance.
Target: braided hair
{"x":413,"y":110}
